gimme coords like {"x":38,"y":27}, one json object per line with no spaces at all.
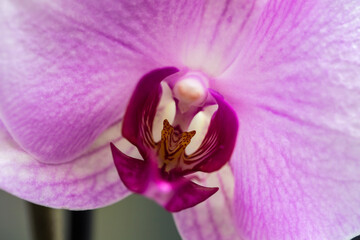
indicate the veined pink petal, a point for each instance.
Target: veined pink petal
{"x":68,"y":67}
{"x":63,"y":79}
{"x":90,"y":181}
{"x":214,"y":218}
{"x":294,"y":84}
{"x":297,"y":93}
{"x":296,"y":179}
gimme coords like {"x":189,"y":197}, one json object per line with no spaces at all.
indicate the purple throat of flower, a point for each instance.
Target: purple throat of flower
{"x":182,"y":129}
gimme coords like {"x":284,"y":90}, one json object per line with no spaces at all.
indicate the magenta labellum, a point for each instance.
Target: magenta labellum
{"x":166,"y":171}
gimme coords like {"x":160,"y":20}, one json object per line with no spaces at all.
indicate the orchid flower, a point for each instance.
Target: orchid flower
{"x":283,"y":74}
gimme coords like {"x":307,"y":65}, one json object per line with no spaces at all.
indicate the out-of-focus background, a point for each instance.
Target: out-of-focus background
{"x":134,"y":218}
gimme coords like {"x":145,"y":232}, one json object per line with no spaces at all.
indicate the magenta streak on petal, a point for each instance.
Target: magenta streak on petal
{"x":189,"y":195}
{"x":220,"y":138}
{"x":133,"y":172}
{"x":142,"y":107}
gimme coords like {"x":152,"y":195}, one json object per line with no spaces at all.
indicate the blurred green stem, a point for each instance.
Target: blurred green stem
{"x":80,"y":225}
{"x":56,"y":224}
{"x":46,"y":223}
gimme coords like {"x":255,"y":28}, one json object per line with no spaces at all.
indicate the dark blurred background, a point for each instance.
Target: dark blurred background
{"x":134,"y":218}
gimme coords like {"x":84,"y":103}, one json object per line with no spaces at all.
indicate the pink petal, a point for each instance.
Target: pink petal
{"x":297,"y":94}
{"x":212,"y":219}
{"x":64,"y":79}
{"x":69,"y":67}
{"x":90,"y":181}
{"x":296,"y":179}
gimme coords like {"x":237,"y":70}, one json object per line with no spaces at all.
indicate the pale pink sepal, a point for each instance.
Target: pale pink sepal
{"x":90,"y":181}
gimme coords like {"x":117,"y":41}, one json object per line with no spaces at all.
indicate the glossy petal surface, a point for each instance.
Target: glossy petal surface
{"x":298,"y":157}
{"x":90,"y":181}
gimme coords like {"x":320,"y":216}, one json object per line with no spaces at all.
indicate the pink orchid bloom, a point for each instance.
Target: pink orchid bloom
{"x":288,"y":69}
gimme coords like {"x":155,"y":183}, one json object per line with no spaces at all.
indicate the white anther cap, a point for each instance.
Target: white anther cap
{"x":190,"y":90}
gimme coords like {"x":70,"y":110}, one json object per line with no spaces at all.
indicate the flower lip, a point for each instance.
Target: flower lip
{"x":166,"y":161}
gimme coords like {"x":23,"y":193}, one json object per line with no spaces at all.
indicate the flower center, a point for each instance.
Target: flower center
{"x":180,"y":102}
{"x":171,"y":148}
